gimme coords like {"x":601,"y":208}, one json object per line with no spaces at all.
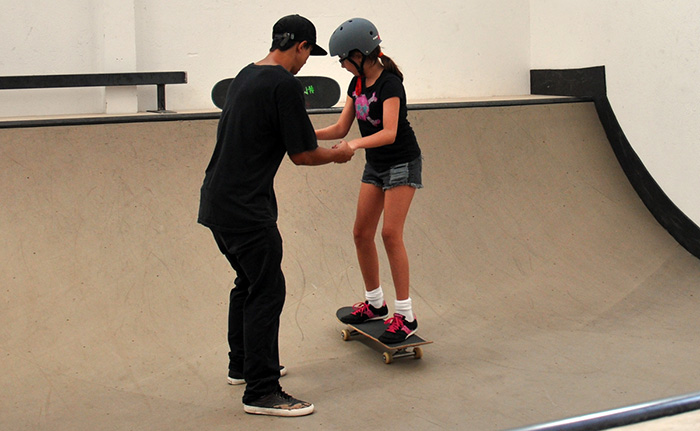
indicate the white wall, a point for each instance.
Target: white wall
{"x":40,"y":37}
{"x":651,"y":53}
{"x":447,"y":48}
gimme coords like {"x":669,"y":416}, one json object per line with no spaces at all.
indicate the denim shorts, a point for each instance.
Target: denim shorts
{"x":403,"y":174}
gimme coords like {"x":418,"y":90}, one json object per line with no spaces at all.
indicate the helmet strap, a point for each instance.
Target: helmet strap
{"x":361,"y":81}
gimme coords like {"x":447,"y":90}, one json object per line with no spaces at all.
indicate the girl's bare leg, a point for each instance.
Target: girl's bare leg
{"x":397,"y":202}
{"x":369,"y":209}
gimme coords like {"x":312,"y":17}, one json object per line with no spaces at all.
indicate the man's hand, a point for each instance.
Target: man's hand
{"x":340,"y":153}
{"x":343,"y":152}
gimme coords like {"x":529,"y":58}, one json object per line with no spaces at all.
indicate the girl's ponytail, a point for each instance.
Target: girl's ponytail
{"x":386,"y":61}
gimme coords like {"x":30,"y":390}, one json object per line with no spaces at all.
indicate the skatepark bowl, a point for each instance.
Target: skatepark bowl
{"x":548,"y":288}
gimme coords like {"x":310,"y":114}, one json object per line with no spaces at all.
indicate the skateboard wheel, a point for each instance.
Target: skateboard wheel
{"x":417,"y":352}
{"x":388,"y":357}
{"x":345,"y":334}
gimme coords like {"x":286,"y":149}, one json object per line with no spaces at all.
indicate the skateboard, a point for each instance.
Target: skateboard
{"x":373,"y":329}
{"x":319,"y":92}
{"x":218,"y":92}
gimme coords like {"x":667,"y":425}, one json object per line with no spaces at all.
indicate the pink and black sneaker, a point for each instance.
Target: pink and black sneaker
{"x":399,"y":329}
{"x":364,"y":311}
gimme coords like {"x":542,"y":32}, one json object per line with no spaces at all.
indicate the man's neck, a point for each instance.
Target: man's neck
{"x":275,"y":58}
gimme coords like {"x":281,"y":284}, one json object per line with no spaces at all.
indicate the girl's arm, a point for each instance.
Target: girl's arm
{"x":386,"y":136}
{"x":342,"y":127}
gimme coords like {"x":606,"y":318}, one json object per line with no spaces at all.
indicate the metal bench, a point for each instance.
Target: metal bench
{"x":160,"y":79}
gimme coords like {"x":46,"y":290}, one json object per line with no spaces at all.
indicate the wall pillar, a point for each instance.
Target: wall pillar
{"x":117,"y":37}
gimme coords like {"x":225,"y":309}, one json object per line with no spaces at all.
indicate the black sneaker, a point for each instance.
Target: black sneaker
{"x":236,"y":378}
{"x":278,"y":404}
{"x":399,"y":329}
{"x":364,"y":311}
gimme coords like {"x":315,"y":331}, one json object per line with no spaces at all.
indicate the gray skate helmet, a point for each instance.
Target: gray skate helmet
{"x":356,"y":33}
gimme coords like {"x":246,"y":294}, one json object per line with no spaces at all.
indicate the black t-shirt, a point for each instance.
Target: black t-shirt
{"x":264,"y":118}
{"x":369,"y":110}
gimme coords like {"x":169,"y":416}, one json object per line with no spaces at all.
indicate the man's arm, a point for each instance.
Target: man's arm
{"x":321,"y":156}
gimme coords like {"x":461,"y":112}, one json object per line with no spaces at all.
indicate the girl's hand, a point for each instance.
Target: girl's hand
{"x":345,"y":153}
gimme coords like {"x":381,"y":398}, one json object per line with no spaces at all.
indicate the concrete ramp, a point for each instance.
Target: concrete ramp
{"x":548,"y":288}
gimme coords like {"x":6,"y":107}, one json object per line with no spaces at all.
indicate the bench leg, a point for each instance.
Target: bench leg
{"x":161,"y":100}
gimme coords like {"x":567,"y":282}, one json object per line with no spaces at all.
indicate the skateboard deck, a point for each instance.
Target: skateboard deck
{"x":218,"y":92}
{"x":319,"y":92}
{"x":374,"y":329}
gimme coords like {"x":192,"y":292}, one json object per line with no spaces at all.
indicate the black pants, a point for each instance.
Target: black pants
{"x":255,"y":306}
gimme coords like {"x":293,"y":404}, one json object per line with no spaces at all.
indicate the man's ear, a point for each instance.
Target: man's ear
{"x":303,"y":45}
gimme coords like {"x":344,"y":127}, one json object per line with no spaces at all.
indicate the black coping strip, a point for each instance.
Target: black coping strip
{"x":214,"y":115}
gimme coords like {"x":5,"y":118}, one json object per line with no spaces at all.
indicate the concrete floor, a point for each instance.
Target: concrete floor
{"x":548,"y":289}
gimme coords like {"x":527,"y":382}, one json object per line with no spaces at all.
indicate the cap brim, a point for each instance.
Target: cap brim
{"x":317,"y":50}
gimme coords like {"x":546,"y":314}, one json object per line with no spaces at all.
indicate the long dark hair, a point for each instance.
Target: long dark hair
{"x":385,"y":61}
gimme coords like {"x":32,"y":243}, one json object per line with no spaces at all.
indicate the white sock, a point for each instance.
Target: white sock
{"x":375,"y":297}
{"x":405,"y":308}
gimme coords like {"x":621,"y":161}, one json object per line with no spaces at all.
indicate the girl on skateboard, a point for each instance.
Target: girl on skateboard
{"x":376,"y":98}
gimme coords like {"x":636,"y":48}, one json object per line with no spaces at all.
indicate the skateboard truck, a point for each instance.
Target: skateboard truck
{"x":400,"y":352}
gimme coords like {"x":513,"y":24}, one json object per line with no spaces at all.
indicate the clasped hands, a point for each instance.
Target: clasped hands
{"x":345,"y":152}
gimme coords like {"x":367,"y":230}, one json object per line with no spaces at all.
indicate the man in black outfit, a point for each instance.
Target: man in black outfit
{"x":264,"y":118}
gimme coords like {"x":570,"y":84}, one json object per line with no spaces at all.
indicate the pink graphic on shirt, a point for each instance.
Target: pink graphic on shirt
{"x":362,"y":108}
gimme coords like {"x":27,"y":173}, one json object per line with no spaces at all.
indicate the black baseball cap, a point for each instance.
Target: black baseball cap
{"x":296,"y":28}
